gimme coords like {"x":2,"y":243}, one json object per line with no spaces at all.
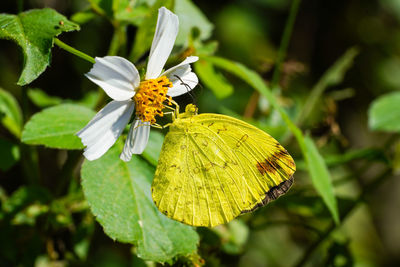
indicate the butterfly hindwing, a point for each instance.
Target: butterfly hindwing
{"x":268,"y":166}
{"x":212,"y":168}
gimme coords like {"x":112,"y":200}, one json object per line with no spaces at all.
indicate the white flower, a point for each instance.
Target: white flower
{"x":120,"y":80}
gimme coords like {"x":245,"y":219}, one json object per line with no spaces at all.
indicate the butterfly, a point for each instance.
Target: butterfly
{"x":213,"y":168}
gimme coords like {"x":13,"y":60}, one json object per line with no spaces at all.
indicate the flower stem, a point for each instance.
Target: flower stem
{"x":73,"y":51}
{"x":285,"y":42}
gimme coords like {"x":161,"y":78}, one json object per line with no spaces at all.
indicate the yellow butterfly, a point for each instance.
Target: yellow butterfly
{"x":212,"y":168}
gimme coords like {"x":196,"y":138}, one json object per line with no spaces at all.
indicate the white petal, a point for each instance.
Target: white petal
{"x":137,"y":139}
{"x":117,"y":76}
{"x":105,"y":128}
{"x":183,"y":64}
{"x":182,"y":78}
{"x":164,"y":39}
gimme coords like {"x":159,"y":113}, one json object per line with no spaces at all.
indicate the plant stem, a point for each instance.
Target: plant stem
{"x":285,"y":42}
{"x":66,"y":174}
{"x":73,"y":51}
{"x":118,"y":39}
{"x":29,"y":154}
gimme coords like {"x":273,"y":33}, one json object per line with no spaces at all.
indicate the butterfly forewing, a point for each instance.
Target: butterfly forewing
{"x":212,"y":168}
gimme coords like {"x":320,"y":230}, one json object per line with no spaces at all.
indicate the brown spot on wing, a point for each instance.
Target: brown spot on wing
{"x":271,"y":165}
{"x":268,"y":166}
{"x":283,"y":154}
{"x":264,"y":167}
{"x":222,"y":129}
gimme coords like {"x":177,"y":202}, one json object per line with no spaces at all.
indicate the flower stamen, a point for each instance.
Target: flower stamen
{"x":150,"y":97}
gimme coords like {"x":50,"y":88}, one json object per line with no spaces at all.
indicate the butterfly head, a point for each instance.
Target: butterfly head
{"x":190,"y":111}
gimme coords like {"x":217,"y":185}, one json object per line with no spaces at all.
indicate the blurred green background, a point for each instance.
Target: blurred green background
{"x":38,"y":229}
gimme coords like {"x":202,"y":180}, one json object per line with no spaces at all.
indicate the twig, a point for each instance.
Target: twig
{"x":285,"y":42}
{"x":74,"y":51}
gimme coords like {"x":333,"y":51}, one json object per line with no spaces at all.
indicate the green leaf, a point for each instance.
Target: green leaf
{"x":34,"y":31}
{"x":384,"y":113}
{"x":130,"y":12}
{"x":90,"y":99}
{"x":333,"y":76}
{"x":83,"y":17}
{"x":56,"y":126}
{"x":118,"y":194}
{"x":9,"y":154}
{"x":145,"y":32}
{"x":321,"y":178}
{"x":153,"y":148}
{"x":41,"y":99}
{"x":10,"y":113}
{"x":190,"y":17}
{"x":213,"y":79}
{"x":345,"y":157}
{"x":205,"y":49}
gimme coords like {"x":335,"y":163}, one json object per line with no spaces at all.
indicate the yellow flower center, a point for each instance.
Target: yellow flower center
{"x":150,"y":97}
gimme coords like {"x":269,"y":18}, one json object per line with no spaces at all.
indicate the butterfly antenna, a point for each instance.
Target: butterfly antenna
{"x":188,"y":89}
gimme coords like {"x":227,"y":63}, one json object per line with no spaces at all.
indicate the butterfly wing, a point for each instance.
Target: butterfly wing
{"x":213,"y":167}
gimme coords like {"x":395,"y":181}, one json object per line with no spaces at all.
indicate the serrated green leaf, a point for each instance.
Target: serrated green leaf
{"x":321,"y":178}
{"x":153,"y":148}
{"x":34,"y":31}
{"x":384,"y":113}
{"x":41,"y":99}
{"x":190,"y":17}
{"x":212,"y":79}
{"x":9,"y":154}
{"x":10,"y":113}
{"x":118,"y":194}
{"x":56,"y":126}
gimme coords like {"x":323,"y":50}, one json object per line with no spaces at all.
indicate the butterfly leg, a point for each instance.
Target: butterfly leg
{"x":176,"y":109}
{"x":156,"y":125}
